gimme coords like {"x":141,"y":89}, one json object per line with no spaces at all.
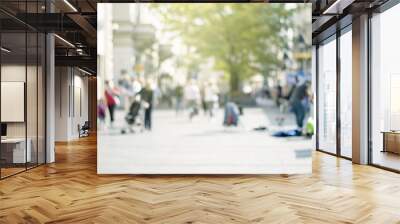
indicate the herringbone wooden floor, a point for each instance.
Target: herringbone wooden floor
{"x":69,"y":191}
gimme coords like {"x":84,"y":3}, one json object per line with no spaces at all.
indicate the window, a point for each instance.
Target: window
{"x":346,"y":94}
{"x":327,"y":96}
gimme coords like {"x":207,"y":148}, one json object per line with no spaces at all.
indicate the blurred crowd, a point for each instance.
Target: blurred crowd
{"x":137,"y":97}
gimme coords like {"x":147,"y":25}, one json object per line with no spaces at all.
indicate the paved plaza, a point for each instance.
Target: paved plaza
{"x":177,"y":145}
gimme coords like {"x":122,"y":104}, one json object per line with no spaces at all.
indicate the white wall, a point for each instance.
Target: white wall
{"x":80,"y":104}
{"x":61,"y":103}
{"x":71,"y":102}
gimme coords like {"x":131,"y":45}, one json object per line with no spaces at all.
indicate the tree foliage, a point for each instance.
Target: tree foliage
{"x":243,"y":39}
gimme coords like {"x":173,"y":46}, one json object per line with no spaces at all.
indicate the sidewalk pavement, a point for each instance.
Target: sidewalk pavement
{"x":202,"y":146}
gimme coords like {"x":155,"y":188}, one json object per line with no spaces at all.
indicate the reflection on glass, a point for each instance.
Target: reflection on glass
{"x":327,"y":97}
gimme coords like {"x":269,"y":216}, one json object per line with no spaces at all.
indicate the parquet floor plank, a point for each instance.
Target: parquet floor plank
{"x":70,"y":191}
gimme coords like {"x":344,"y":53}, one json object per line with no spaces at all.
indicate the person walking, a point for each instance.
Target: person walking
{"x":297,"y":105}
{"x":101,"y":113}
{"x":279,"y":95}
{"x":147,"y":96}
{"x":178,"y":98}
{"x":192,"y":96}
{"x":110,"y":96}
{"x":210,"y":98}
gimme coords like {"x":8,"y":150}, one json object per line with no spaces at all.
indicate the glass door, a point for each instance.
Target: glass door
{"x":327,"y":96}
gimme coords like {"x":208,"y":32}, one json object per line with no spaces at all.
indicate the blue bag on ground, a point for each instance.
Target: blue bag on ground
{"x":289,"y":133}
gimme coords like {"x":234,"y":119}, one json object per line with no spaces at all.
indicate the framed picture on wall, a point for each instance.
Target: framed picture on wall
{"x":12,"y":101}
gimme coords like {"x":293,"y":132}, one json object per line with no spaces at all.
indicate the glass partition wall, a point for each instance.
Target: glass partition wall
{"x":14,"y":156}
{"x":22,"y":89}
{"x":334,"y":97}
{"x":327,"y":96}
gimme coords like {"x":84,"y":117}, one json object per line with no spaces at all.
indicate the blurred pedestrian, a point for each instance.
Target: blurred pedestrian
{"x":101,"y":113}
{"x":111,"y":99}
{"x":147,"y":97}
{"x":292,"y":87}
{"x":296,"y":102}
{"x":192,"y":97}
{"x":178,"y":98}
{"x":279,"y":95}
{"x":203,"y":98}
{"x":125,"y":89}
{"x":211,"y":98}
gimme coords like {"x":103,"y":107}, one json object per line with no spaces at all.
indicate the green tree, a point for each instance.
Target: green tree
{"x":243,"y":39}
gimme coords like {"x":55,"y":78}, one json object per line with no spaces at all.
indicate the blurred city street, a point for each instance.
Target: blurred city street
{"x":177,"y":145}
{"x":242,"y":88}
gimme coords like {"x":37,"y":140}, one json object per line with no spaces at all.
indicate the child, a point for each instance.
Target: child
{"x":101,"y":113}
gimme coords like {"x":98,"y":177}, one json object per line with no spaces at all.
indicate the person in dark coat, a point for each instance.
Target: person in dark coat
{"x":297,"y":105}
{"x":147,"y":96}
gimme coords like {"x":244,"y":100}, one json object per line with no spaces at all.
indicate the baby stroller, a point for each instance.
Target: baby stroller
{"x":132,"y":118}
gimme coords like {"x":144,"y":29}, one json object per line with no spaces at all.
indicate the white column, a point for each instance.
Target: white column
{"x":63,"y":102}
{"x":50,"y":98}
{"x":360,"y":90}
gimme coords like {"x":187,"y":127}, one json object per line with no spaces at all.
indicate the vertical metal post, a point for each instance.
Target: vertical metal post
{"x":26,"y":87}
{"x":338,"y":98}
{"x":37,"y":90}
{"x":317,"y":97}
{"x":369,"y":61}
